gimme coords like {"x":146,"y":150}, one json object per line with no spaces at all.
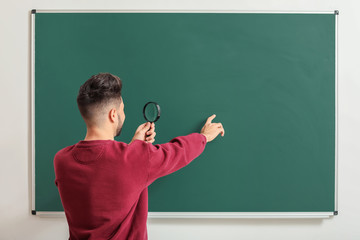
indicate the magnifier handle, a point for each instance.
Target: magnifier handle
{"x":150,"y":125}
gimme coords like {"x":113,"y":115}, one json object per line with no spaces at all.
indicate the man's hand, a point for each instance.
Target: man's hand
{"x":211,"y":130}
{"x":145,"y":132}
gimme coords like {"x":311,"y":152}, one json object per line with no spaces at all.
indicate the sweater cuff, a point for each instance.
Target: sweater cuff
{"x":205,"y":140}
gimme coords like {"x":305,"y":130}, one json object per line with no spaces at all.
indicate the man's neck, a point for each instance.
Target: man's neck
{"x":98,"y":134}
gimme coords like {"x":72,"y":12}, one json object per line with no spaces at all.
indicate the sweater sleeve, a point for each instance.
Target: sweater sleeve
{"x":169,"y":157}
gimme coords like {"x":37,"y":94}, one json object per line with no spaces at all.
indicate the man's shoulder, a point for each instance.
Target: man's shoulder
{"x":137,"y":141}
{"x":138,"y":146}
{"x":64,"y":150}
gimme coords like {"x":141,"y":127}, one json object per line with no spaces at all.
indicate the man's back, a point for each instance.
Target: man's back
{"x":103,"y":183}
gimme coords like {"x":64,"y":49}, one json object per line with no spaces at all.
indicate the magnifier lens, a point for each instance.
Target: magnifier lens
{"x":151,"y":112}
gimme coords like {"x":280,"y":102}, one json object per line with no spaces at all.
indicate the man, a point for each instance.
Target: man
{"x":103,"y":183}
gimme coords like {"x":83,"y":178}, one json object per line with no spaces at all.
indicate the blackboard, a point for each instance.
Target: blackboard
{"x":269,"y":77}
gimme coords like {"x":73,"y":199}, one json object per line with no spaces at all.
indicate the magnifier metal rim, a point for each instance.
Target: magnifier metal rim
{"x":158,"y":108}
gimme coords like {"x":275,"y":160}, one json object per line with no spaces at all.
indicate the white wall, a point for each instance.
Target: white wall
{"x":15,"y":219}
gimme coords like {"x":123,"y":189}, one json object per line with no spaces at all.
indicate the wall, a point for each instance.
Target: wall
{"x":15,"y":219}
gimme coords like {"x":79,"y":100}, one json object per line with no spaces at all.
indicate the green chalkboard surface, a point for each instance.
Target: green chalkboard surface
{"x":269,"y":78}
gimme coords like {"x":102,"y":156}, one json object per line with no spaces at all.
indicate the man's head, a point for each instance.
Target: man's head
{"x":101,"y":104}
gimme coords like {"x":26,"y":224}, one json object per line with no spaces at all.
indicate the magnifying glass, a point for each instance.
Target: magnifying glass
{"x":151,"y":112}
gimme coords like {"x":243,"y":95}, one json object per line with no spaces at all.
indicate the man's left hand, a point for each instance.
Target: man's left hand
{"x":145,"y":132}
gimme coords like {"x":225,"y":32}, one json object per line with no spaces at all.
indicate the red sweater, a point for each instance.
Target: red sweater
{"x":103,"y":184}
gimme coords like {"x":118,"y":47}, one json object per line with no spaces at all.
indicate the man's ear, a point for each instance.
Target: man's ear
{"x":112,"y":115}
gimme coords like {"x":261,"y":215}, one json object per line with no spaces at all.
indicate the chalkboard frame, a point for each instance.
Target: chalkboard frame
{"x":184,"y":214}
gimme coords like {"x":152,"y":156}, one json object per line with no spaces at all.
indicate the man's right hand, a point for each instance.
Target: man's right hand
{"x":211,"y":130}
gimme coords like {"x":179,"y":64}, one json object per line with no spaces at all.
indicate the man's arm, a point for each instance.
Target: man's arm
{"x":169,"y":157}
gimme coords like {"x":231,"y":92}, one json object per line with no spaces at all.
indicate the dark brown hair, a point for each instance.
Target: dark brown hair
{"x":97,"y":92}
